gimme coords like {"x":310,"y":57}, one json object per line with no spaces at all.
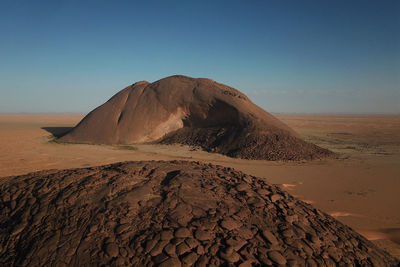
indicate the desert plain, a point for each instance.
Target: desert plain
{"x":360,"y":186}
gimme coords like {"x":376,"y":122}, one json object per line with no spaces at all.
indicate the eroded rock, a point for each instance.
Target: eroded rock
{"x":168,"y":214}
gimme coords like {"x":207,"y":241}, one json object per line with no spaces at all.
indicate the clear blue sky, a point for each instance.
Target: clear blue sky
{"x":287,"y":56}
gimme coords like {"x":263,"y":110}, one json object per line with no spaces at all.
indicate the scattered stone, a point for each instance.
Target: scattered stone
{"x":202,"y":261}
{"x":112,"y":250}
{"x":236,"y":243}
{"x":170,"y":249}
{"x":158,"y":248}
{"x":171,"y":262}
{"x":263,"y":259}
{"x":214,"y":249}
{"x":182,"y":248}
{"x":270,"y":237}
{"x":122,"y":228}
{"x":93,"y":228}
{"x":245,"y":233}
{"x":288,"y":233}
{"x":292,"y":263}
{"x":312,"y":263}
{"x":200,"y":250}
{"x":230,"y":224}
{"x":276,"y":257}
{"x":242,"y":187}
{"x":203,"y":235}
{"x":190,"y":258}
{"x":275,"y":197}
{"x":263,"y":192}
{"x":182,"y":233}
{"x":160,"y":258}
{"x":166,"y":235}
{"x":246,"y":263}
{"x":123,"y":252}
{"x":150,"y":245}
{"x":177,"y":241}
{"x":192,"y":243}
{"x":291,"y":218}
{"x":229,"y":255}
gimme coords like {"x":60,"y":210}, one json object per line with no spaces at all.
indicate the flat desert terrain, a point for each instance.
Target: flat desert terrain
{"x":360,"y":187}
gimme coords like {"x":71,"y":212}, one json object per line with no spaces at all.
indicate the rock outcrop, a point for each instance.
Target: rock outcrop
{"x":168,"y":214}
{"x":195,"y":112}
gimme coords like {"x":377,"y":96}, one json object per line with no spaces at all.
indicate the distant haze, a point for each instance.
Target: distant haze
{"x":287,"y":56}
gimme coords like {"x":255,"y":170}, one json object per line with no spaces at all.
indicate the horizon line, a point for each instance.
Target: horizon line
{"x":277,"y":113}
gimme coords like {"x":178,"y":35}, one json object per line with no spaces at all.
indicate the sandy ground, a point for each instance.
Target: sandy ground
{"x":360,"y":188}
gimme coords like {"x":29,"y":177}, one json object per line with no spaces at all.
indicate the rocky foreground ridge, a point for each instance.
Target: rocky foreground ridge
{"x":168,"y":214}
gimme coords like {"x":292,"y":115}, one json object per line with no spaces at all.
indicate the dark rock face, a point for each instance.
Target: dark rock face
{"x":168,"y":214}
{"x":195,"y":112}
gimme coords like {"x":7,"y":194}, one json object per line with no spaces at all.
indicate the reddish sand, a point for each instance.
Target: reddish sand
{"x":361,"y":188}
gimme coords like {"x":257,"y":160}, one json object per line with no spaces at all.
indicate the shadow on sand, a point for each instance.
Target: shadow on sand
{"x":394,"y":234}
{"x":57,"y":132}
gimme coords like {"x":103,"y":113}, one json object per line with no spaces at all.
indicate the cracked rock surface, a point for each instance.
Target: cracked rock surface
{"x":174,"y":213}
